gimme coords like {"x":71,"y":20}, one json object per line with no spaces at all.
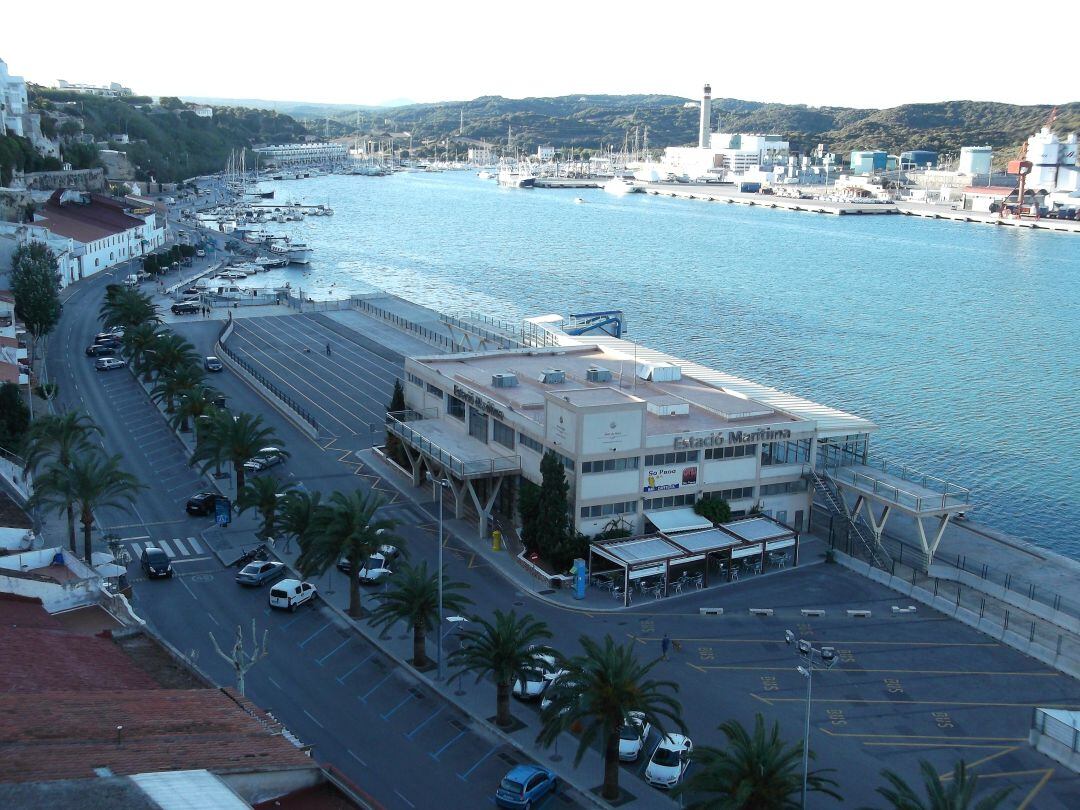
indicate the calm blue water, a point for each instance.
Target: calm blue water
{"x":961,"y":341}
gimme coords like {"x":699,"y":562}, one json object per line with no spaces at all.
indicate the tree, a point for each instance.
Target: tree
{"x":529,"y":510}
{"x":14,"y":417}
{"x":35,"y":283}
{"x":507,"y":649}
{"x":413,"y":597}
{"x":552,"y":529}
{"x":755,"y":770}
{"x":264,"y":494}
{"x":174,"y":384}
{"x":232,"y":440}
{"x":171,"y":353}
{"x":598,"y":691}
{"x":57,"y":439}
{"x":394,"y":449}
{"x":136,"y":344}
{"x":127,"y":307}
{"x":346,"y":526}
{"x":715,"y":509}
{"x":240,"y":660}
{"x":92,"y":481}
{"x":957,"y":794}
{"x":194,"y":403}
{"x":297,"y":514}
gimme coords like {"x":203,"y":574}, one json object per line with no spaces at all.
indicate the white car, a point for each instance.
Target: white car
{"x":537,"y":679}
{"x":108,"y":363}
{"x":632,"y":736}
{"x":669,"y":761}
{"x":374,"y":570}
{"x":551,"y":681}
{"x":290,"y":593}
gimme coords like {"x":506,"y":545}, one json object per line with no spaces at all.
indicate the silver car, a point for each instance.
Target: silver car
{"x":260,"y":571}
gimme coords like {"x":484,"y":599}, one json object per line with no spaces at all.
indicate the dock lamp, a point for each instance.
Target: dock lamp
{"x":825,"y":659}
{"x":442,"y":484}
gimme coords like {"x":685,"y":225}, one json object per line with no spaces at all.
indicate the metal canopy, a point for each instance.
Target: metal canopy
{"x":756,"y":529}
{"x":683,"y":519}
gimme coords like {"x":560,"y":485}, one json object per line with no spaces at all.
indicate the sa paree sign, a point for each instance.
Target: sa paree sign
{"x":660,"y":478}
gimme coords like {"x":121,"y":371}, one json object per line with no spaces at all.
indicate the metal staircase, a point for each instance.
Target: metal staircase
{"x":875,"y":551}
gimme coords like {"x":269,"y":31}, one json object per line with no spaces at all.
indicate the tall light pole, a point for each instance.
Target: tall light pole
{"x":827,"y":660}
{"x":442,"y":484}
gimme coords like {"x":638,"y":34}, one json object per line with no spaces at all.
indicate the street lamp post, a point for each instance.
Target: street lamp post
{"x":827,"y":660}
{"x":442,"y":483}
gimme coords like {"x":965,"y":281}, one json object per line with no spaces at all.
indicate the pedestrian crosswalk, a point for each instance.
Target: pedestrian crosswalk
{"x":177,"y":548}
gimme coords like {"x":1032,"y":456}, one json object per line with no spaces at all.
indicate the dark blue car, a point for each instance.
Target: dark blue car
{"x":525,"y":786}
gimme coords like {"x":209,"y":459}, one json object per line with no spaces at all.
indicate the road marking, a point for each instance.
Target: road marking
{"x":351,"y":671}
{"x":182,"y":582}
{"x":215,"y":621}
{"x":180,"y":547}
{"x":319,"y":661}
{"x":413,"y":733}
{"x":435,"y":756}
{"x":313,"y":719}
{"x":929,"y":745}
{"x":464,"y":777}
{"x":923,"y":737}
{"x":646,"y":639}
{"x":309,"y":638}
{"x":1035,"y":790}
{"x":400,"y":796}
{"x":165,"y":547}
{"x":275,"y":683}
{"x":139,"y":537}
{"x":1068,"y":707}
{"x":363,"y":698}
{"x":354,"y":756}
{"x":191,"y":560}
{"x":390,"y":713}
{"x":195,"y":546}
{"x":1001,"y":753}
{"x":137,"y":548}
{"x":704,"y":667}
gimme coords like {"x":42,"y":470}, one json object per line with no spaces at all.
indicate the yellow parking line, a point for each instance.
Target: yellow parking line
{"x":704,"y":667}
{"x":823,"y":641}
{"x":1067,"y":707}
{"x":929,"y":745}
{"x":971,"y":765}
{"x":923,"y":737}
{"x":1036,"y":790}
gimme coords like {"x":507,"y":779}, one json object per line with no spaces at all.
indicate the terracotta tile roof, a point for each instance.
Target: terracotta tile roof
{"x":41,"y":660}
{"x":24,"y":611}
{"x":9,"y":373}
{"x":65,"y":735}
{"x":100,"y":218}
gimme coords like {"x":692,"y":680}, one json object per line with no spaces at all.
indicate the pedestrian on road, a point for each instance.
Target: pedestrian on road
{"x":327,"y":349}
{"x":665,"y":645}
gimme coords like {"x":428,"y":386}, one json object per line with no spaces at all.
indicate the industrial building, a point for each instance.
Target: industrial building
{"x":290,"y":154}
{"x":976,"y":160}
{"x":918,"y":159}
{"x":868,"y":162}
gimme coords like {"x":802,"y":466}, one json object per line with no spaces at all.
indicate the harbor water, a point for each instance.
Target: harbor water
{"x":961,"y":341}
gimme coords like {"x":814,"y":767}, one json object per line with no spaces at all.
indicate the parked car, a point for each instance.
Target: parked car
{"x":191,"y":293}
{"x":100,"y":350}
{"x":115,"y":331}
{"x":200,"y":253}
{"x":291,"y":593}
{"x":108,"y":363}
{"x":202,"y":503}
{"x":387,"y":551}
{"x":155,"y":563}
{"x":184,"y":308}
{"x":524,"y":786}
{"x":256,"y":573}
{"x":536,"y":680}
{"x":267,"y":457}
{"x":632,"y":736}
{"x":108,"y":337}
{"x":374,"y":571}
{"x":211,"y":363}
{"x":669,"y":761}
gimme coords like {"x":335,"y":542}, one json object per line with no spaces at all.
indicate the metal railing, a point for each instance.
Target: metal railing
{"x":1049,"y":726}
{"x":462,"y":468}
{"x":506,"y":337}
{"x":362,"y":304}
{"x":951,"y":495}
{"x":300,"y":410}
{"x":875,"y":552}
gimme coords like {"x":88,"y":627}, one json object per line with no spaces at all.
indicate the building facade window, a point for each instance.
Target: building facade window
{"x":610,"y":465}
{"x":794,"y":452}
{"x":566,"y":462}
{"x":731,"y":451}
{"x":503,"y":434}
{"x":733,"y":494}
{"x":455,"y":407}
{"x":670,"y":501}
{"x":434,"y":390}
{"x":414,"y":379}
{"x":682,"y":457}
{"x":531,"y":443}
{"x":608,"y":509}
{"x":783,"y":488}
{"x":478,"y":425}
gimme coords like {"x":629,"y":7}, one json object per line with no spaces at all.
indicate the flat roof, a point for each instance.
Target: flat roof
{"x":677,"y":520}
{"x":710,"y":406}
{"x":756,"y":529}
{"x":711,"y":539}
{"x":638,"y":551}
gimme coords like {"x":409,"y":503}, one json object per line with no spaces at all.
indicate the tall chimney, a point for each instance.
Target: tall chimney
{"x":705,"y":129}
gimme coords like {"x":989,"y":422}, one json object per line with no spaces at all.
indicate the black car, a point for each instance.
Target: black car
{"x":155,"y":563}
{"x":107,"y":337}
{"x":211,"y":363}
{"x":185,"y":308}
{"x":202,"y":503}
{"x":101,"y":350}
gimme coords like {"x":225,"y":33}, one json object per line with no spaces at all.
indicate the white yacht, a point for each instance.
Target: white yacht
{"x":620,"y":185}
{"x":270,"y":262}
{"x":516,"y":177}
{"x":294,"y":252}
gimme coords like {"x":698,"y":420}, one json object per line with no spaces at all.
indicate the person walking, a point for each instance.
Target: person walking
{"x":665,"y":645}
{"x":327,"y":349}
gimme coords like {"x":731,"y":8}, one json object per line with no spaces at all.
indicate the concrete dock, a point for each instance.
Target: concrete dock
{"x":713,"y":194}
{"x":931,"y":211}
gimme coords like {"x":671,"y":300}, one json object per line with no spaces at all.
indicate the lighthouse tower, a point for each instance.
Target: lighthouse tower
{"x":705,"y":129}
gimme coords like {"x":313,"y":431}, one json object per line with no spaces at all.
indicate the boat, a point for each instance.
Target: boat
{"x":516,"y":177}
{"x":578,"y":200}
{"x":293,"y":252}
{"x":270,"y":262}
{"x":619,"y":186}
{"x":484,"y":174}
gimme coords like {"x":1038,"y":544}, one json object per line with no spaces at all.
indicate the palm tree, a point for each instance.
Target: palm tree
{"x":91,"y":481}
{"x":507,"y":649}
{"x":195,"y":402}
{"x":597,"y":691}
{"x":229,"y":439}
{"x":264,"y":494}
{"x":137,"y":342}
{"x":175,"y":383}
{"x":345,"y":526}
{"x":755,"y":770}
{"x":128,"y":308}
{"x":413,"y":596}
{"x":171,"y":353}
{"x":297,"y":514}
{"x":57,"y":438}
{"x":958,"y":795}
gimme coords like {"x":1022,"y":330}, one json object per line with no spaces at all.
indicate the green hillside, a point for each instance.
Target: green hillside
{"x":169,"y":141}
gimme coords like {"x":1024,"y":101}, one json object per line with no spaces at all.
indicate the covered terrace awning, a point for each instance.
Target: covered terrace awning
{"x":683,"y":519}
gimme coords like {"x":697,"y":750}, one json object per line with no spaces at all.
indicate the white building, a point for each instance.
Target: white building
{"x":284,"y":154}
{"x":545,"y":152}
{"x":1056,"y":162}
{"x":204,"y":112}
{"x":13,"y":102}
{"x":114,"y":89}
{"x":15,"y":234}
{"x":975,"y":160}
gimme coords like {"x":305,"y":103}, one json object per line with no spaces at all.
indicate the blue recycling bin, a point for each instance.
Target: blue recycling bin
{"x":581,"y":578}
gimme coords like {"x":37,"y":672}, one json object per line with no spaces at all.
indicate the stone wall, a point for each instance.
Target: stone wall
{"x":13,"y":204}
{"x":80,"y":179}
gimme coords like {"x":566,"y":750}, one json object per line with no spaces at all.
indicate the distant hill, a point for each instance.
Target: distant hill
{"x":169,"y":141}
{"x":586,"y":121}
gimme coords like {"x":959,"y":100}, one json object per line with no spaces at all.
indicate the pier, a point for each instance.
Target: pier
{"x":703,"y":192}
{"x":930,"y":211}
{"x":569,"y":182}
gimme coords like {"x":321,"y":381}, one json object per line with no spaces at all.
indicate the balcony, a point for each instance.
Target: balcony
{"x":458,"y":453}
{"x":900,"y":485}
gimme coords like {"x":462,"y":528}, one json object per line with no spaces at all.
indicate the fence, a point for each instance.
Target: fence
{"x":463,"y":468}
{"x":502,"y":338}
{"x":430,"y":335}
{"x":269,"y":386}
{"x":307,"y":305}
{"x":1065,"y":733}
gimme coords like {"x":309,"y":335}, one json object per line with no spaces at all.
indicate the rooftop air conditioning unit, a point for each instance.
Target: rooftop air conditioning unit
{"x":508,"y":380}
{"x":658,"y":372}
{"x":551,"y":376}
{"x":668,"y":408}
{"x":598,"y":374}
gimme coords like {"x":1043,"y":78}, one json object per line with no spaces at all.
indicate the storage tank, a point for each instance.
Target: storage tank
{"x":1042,"y":151}
{"x":975,"y":160}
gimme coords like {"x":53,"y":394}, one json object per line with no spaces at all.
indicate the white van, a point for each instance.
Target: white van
{"x":131,"y":281}
{"x":288,"y":593}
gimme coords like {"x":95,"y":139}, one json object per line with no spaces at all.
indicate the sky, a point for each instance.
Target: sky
{"x":866,"y":54}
